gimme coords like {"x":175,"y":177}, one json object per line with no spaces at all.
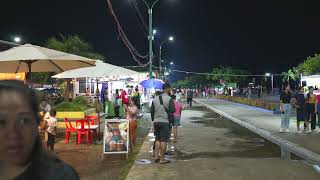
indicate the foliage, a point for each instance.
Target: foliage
{"x":292,"y":74}
{"x":191,"y":81}
{"x":70,"y":106}
{"x":80,"y":100}
{"x":310,"y":66}
{"x":250,"y":102}
{"x":228,"y":75}
{"x":74,"y":45}
{"x":42,"y":77}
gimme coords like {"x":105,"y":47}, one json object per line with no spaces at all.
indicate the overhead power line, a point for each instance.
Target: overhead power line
{"x":134,"y":52}
{"x":210,"y":74}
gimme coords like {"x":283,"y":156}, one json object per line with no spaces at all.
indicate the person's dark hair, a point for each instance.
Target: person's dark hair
{"x":300,"y":88}
{"x":166,"y":86}
{"x":53,"y":113}
{"x":309,"y":95}
{"x":29,"y":94}
{"x":173,"y":96}
{"x":284,"y":86}
{"x":117,"y":91}
{"x":38,"y":157}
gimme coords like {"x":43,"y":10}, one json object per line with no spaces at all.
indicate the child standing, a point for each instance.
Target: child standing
{"x":51,"y":130}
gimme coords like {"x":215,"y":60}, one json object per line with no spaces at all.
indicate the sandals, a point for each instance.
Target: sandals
{"x":164,"y":162}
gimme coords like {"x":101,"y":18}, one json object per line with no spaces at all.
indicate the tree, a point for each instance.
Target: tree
{"x":229,"y":75}
{"x":310,"y":66}
{"x":74,"y":45}
{"x":292,"y":74}
{"x":191,"y":82}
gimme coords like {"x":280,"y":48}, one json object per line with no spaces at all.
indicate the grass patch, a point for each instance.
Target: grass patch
{"x":67,"y":106}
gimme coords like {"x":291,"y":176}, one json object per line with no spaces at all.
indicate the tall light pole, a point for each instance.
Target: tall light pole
{"x":270,"y":75}
{"x":171,"y":38}
{"x":150,"y":7}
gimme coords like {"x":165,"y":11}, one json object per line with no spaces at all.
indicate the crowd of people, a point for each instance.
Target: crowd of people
{"x":307,"y":105}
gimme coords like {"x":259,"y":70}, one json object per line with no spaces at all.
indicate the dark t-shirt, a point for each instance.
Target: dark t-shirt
{"x":285,"y":97}
{"x":57,"y":170}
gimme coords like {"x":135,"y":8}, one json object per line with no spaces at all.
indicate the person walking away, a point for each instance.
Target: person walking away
{"x":22,"y":155}
{"x":177,"y":116}
{"x":51,"y":130}
{"x":300,"y":105}
{"x":311,"y":109}
{"x":132,"y":112}
{"x":116,"y":103}
{"x":162,"y":106}
{"x":285,"y":108}
{"x":318,"y":108}
{"x":189,"y":98}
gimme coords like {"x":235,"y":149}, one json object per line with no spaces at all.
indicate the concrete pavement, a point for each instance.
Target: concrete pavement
{"x":212,"y":147}
{"x":266,"y":120}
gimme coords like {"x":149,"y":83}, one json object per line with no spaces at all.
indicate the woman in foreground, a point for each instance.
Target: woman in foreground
{"x":21,"y":154}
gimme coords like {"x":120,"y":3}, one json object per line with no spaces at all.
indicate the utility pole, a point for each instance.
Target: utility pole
{"x":150,"y":34}
{"x":160,"y":61}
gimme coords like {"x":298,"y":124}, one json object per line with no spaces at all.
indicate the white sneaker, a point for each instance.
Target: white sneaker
{"x":287,"y":130}
{"x":299,"y":131}
{"x":308,"y":131}
{"x":281,"y":130}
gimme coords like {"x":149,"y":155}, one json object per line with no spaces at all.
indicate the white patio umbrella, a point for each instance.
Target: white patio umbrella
{"x":31,"y":58}
{"x":100,"y":70}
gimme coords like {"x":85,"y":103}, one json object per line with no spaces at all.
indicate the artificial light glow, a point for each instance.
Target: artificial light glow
{"x":171,"y":63}
{"x":17,"y":39}
{"x":154,"y":31}
{"x":268,"y":74}
{"x":171,"y":38}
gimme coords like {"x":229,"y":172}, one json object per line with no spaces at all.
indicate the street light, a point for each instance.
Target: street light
{"x":170,"y":39}
{"x":171,"y":63}
{"x":17,"y":39}
{"x":150,"y":7}
{"x":270,"y":75}
{"x":154,"y":32}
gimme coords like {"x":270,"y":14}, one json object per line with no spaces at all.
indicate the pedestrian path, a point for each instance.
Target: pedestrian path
{"x":265,"y":120}
{"x":212,"y":147}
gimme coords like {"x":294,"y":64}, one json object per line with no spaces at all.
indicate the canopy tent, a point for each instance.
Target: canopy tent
{"x":99,"y":71}
{"x":21,"y":58}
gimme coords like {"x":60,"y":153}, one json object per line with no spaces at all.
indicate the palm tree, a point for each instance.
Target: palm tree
{"x":292,"y":74}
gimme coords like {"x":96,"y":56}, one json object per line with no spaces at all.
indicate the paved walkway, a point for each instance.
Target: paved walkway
{"x":266,"y":120}
{"x":212,"y":147}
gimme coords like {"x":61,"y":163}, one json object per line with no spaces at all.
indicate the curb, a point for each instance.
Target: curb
{"x":304,"y":153}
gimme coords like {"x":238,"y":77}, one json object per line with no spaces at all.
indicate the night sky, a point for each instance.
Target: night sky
{"x":260,"y":36}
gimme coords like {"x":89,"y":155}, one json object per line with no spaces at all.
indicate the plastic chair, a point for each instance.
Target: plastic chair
{"x":69,"y":129}
{"x":83,"y":130}
{"x":93,"y":120}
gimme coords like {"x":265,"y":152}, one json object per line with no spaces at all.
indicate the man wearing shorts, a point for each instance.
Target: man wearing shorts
{"x":162,"y":105}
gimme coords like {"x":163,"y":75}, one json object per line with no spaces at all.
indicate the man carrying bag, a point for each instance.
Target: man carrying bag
{"x":162,"y":110}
